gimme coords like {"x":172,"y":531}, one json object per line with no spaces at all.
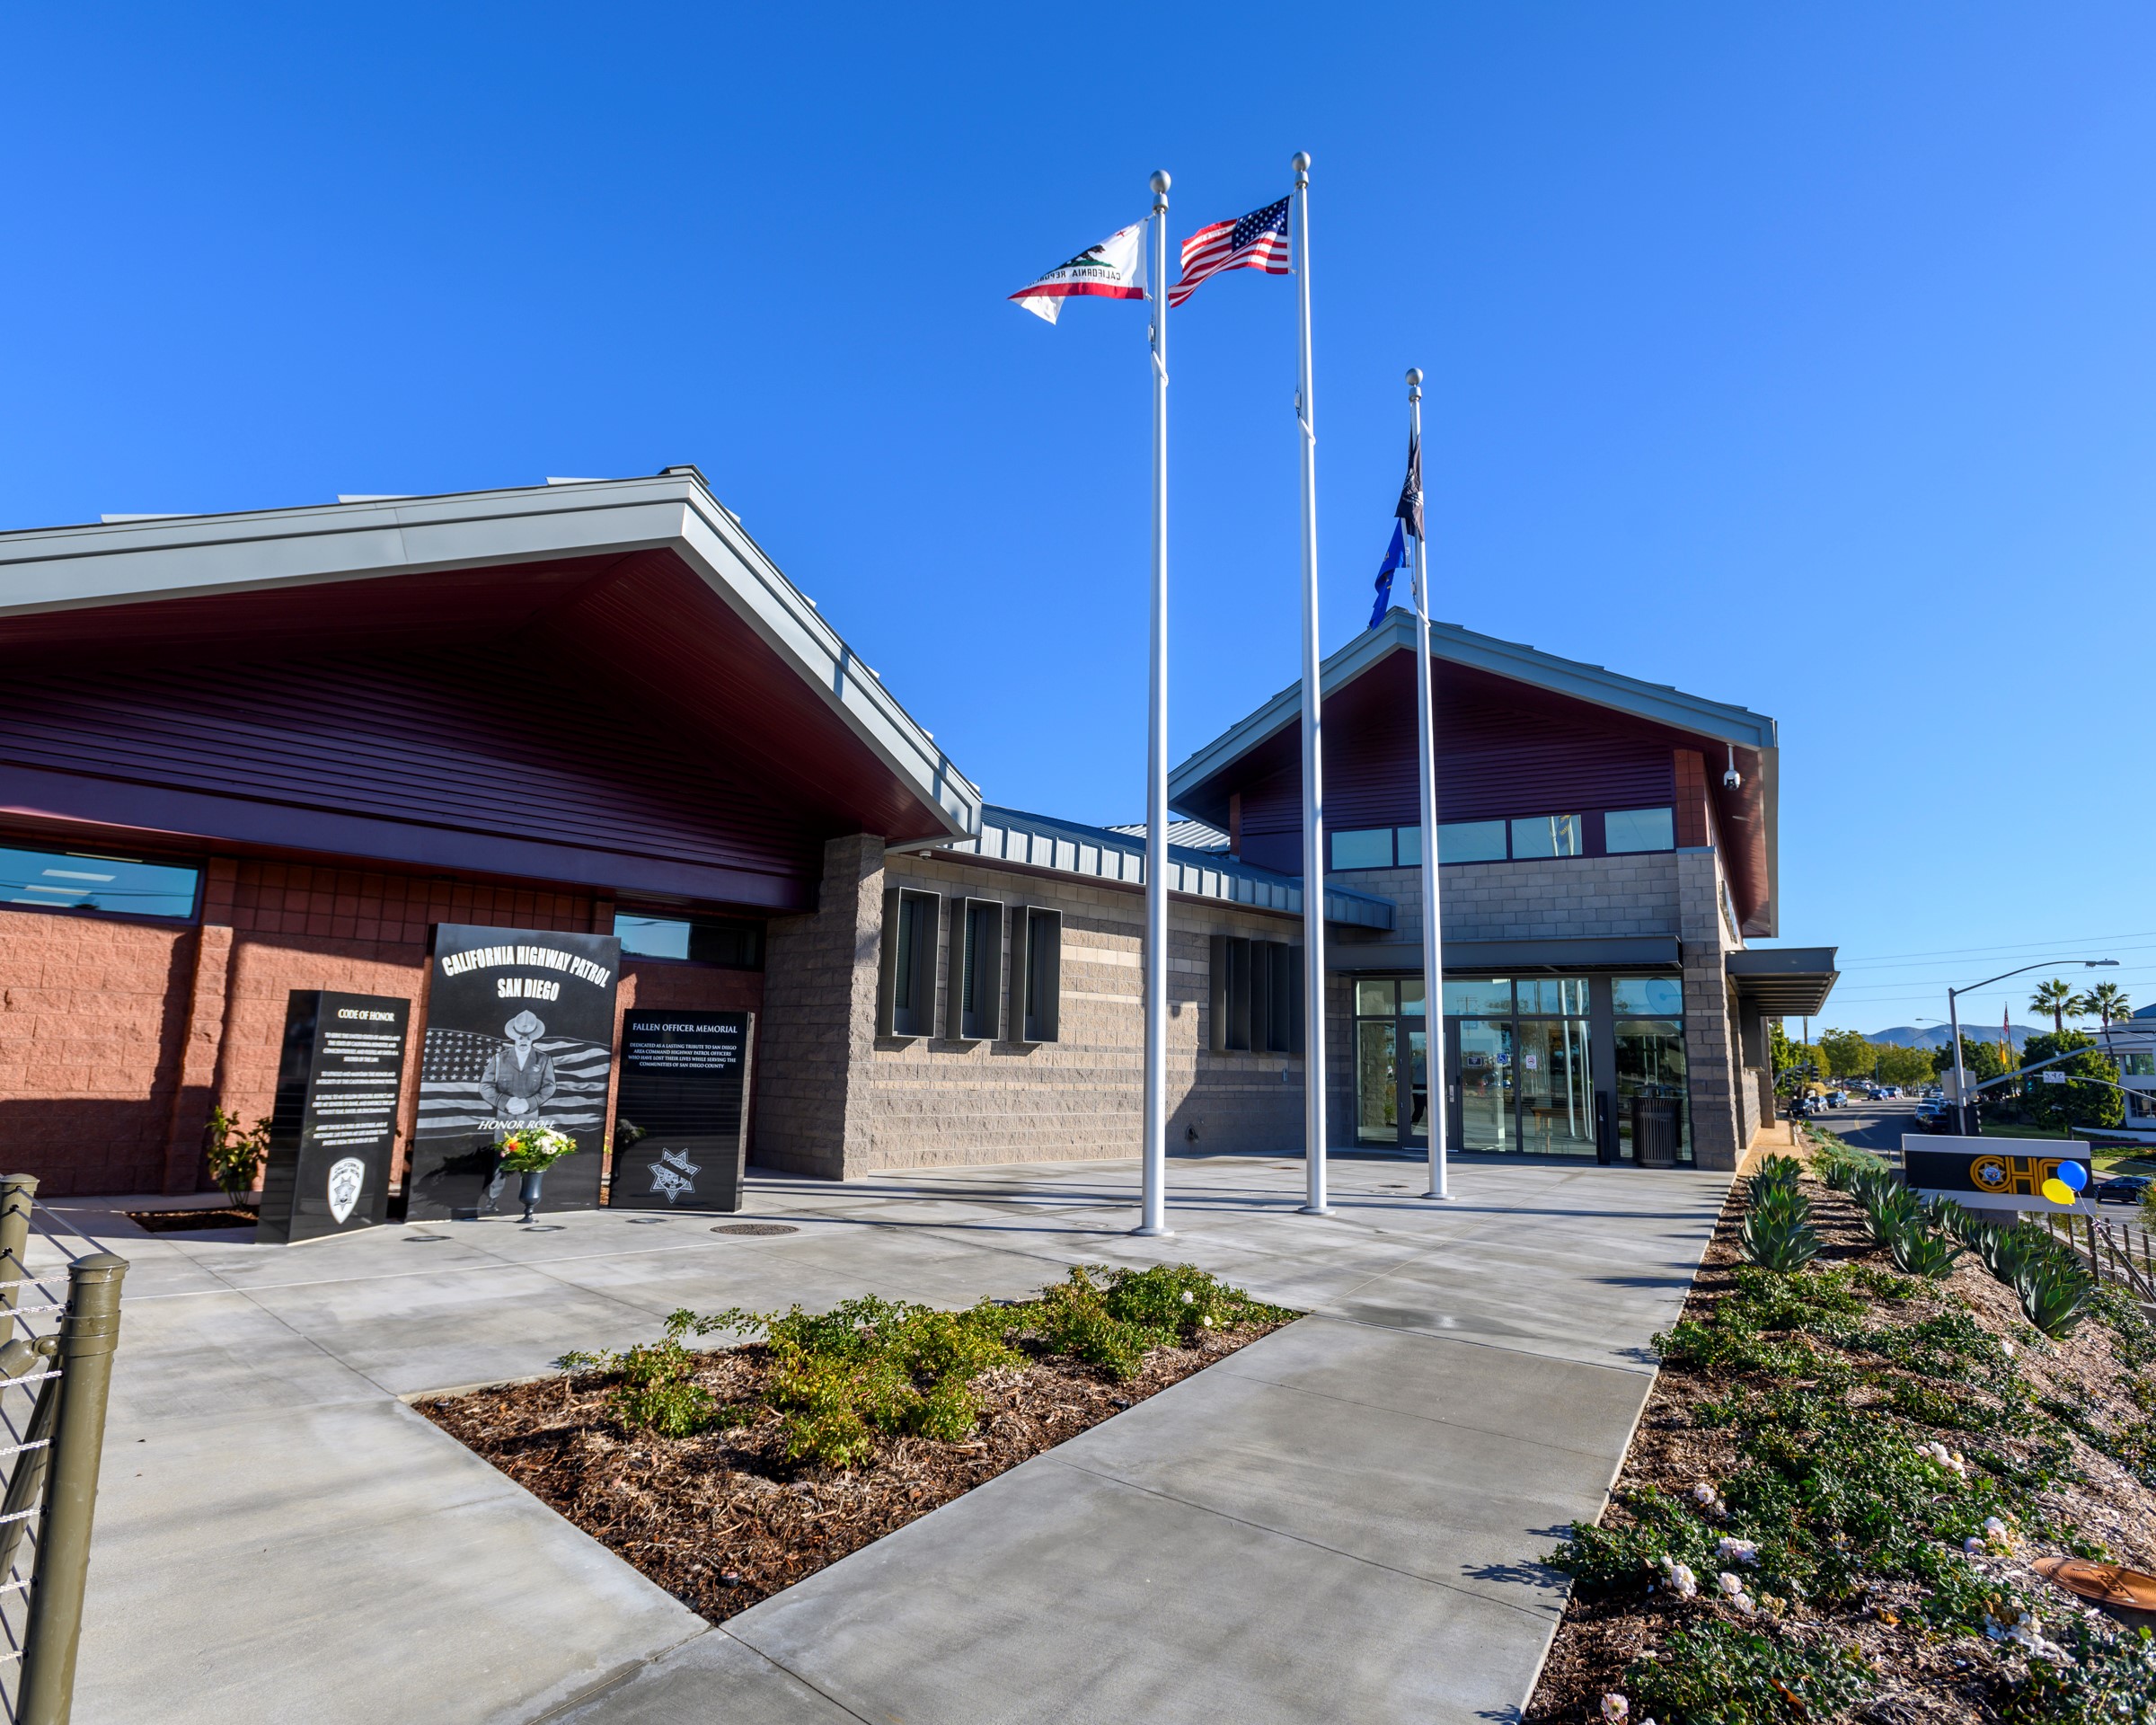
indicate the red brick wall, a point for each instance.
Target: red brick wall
{"x":116,"y":1038}
{"x":91,"y":1011}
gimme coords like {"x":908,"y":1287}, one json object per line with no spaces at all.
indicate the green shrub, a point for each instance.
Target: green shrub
{"x":235,"y":1154}
{"x":1841,"y":1164}
{"x":658,"y":1392}
{"x":2111,"y":1680}
{"x":1623,"y":1562}
{"x":1115,"y":1323}
{"x":1724,"y":1674}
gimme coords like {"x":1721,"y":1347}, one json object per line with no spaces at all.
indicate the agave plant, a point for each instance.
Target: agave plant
{"x":1890,"y":1210}
{"x":1919,"y":1253}
{"x":1777,"y":1175}
{"x":1780,"y":1237}
{"x":2054,"y":1296}
{"x":1949,"y":1217}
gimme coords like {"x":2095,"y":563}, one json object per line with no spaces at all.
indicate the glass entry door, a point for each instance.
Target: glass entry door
{"x":1392,"y":1065}
{"x":1482,"y":1058}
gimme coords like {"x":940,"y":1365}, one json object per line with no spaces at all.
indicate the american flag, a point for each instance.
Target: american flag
{"x":1258,"y":241}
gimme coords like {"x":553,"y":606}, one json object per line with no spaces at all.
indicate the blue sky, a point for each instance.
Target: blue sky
{"x":1801,"y":359}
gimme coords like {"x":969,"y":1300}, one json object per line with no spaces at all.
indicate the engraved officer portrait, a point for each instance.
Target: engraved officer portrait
{"x":519,"y":1081}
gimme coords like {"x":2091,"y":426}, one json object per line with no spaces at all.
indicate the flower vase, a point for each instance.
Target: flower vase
{"x":528,"y":1190}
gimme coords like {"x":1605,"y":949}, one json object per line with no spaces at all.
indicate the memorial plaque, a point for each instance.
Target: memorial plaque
{"x":334,"y":1125}
{"x":1994,"y":1173}
{"x":519,"y":1032}
{"x":681,"y":1115}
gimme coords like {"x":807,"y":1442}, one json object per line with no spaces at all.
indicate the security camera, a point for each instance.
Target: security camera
{"x":1732,"y":779}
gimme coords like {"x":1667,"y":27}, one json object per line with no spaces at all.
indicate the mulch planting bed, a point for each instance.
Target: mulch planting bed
{"x":2080,"y":1412}
{"x":187,"y":1221}
{"x":722,"y":1519}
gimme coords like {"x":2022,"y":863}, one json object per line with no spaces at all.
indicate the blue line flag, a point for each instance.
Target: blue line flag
{"x":1396,"y":555}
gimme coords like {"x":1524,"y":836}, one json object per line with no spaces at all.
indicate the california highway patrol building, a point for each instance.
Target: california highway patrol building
{"x":245,"y":758}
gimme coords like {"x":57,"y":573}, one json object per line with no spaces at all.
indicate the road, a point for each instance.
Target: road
{"x":1870,"y":1126}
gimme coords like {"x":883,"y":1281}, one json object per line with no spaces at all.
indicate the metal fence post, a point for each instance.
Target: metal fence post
{"x":16,"y":1193}
{"x":88,"y":1330}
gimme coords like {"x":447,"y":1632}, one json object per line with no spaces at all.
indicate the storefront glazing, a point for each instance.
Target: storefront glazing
{"x":1525,"y":1059}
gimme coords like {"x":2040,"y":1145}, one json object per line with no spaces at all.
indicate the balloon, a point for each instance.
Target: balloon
{"x":2072,"y":1174}
{"x":2058,"y":1192}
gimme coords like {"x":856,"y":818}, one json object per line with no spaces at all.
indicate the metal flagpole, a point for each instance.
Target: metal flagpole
{"x":1433,"y":929}
{"x":1314,"y":800}
{"x":1154,"y":1222}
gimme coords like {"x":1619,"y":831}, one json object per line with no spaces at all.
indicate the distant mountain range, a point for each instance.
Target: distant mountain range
{"x":1938,"y":1036}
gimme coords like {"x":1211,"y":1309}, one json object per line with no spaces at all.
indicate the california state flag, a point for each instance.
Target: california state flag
{"x":1113,"y":269}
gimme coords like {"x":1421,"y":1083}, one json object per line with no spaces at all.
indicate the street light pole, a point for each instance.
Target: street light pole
{"x":1961,"y":1076}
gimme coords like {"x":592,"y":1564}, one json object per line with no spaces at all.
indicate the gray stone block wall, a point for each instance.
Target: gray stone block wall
{"x":836,"y":1101}
{"x":819,"y":1017}
{"x":1574,"y":897}
{"x":936,"y":1101}
{"x":1711,"y":1043}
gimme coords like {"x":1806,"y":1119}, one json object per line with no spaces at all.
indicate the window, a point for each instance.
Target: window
{"x":1547,"y":836}
{"x":1479,"y":998}
{"x":906,"y":988}
{"x":1639,"y":829}
{"x":118,"y":886}
{"x":2133,"y":1065}
{"x":1256,"y":996}
{"x":1370,"y":848}
{"x":973,"y":1013}
{"x":1471,"y":841}
{"x":1035,"y":974}
{"x":1564,"y":997}
{"x":1648,"y":997}
{"x":732,"y":944}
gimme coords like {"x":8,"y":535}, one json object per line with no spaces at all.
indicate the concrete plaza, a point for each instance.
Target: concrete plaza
{"x":1340,"y":1522}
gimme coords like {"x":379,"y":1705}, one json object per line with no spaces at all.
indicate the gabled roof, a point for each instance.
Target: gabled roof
{"x":1655,"y":702}
{"x":120,"y":582}
{"x":1671,"y":710}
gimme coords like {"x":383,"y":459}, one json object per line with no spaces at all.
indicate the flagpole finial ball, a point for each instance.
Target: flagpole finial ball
{"x":1414,"y":377}
{"x":1160,"y":181}
{"x":1301,"y":165}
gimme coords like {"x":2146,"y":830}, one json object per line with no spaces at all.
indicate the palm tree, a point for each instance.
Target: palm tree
{"x":2108,"y":1001}
{"x":2057,"y":999}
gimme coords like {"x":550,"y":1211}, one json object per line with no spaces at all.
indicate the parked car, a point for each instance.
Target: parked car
{"x":2122,"y":1189}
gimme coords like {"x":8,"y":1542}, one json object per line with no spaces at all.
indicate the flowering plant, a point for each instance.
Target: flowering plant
{"x":533,"y":1149}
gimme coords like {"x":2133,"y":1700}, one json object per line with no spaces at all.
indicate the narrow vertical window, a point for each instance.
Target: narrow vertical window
{"x":977,"y":968}
{"x":1035,"y":974}
{"x":907,"y":986}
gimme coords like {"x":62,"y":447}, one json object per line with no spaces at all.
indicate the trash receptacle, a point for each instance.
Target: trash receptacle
{"x":1654,"y":1132}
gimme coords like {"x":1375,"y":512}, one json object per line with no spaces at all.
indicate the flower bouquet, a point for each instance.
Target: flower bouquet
{"x":530,"y":1150}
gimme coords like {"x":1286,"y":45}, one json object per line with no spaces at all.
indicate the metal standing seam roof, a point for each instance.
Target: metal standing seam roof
{"x":1104,"y":854}
{"x":1191,"y":834}
{"x":140,"y":561}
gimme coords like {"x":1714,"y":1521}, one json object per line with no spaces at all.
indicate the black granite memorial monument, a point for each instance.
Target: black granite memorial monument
{"x":519,"y":1032}
{"x":680,"y":1118}
{"x":334,"y":1122}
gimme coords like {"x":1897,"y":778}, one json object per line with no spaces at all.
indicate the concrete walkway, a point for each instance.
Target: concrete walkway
{"x":1339,"y":1522}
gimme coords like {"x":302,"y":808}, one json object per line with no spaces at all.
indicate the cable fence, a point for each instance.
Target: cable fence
{"x":58,"y":1326}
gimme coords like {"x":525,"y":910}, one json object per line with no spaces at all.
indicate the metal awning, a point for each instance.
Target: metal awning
{"x":1784,"y":981}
